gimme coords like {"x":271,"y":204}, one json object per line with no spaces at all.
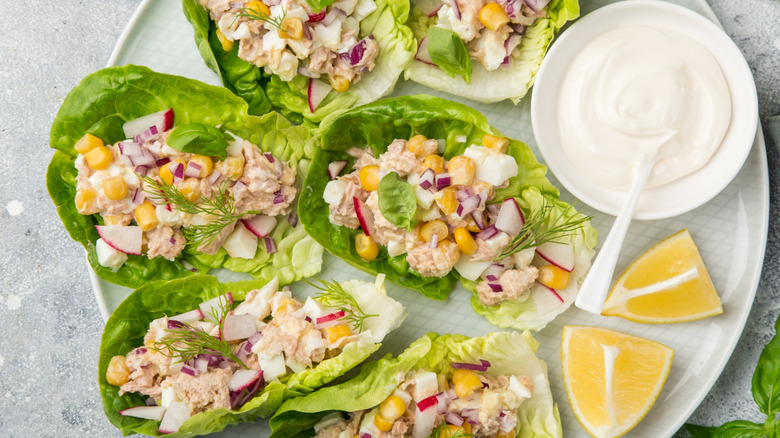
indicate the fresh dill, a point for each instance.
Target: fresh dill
{"x":220,"y":209}
{"x":187,"y":342}
{"x":255,"y":14}
{"x":534,"y":233}
{"x":443,"y":430}
{"x":334,"y":295}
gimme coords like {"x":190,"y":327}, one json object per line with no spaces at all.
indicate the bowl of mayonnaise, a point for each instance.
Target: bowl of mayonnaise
{"x":637,"y":80}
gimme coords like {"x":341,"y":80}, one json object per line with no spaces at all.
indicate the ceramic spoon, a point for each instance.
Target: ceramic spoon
{"x":594,"y":289}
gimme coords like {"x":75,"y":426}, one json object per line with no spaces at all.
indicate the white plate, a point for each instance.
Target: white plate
{"x":730,"y":231}
{"x":683,"y":194}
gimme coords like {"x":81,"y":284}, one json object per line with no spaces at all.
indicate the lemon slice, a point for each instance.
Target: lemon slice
{"x":668,"y":283}
{"x":611,"y":378}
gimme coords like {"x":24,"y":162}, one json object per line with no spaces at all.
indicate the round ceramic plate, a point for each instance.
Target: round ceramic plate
{"x":730,"y":231}
{"x":683,"y":194}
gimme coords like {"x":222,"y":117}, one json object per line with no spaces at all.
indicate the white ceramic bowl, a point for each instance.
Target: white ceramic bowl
{"x":686,"y":193}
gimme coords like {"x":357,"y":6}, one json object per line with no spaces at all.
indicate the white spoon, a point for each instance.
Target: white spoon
{"x":593,"y":291}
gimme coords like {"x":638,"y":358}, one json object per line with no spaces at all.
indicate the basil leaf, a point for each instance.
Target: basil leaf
{"x":766,"y":379}
{"x":448,"y":51}
{"x":740,"y":429}
{"x":197,"y":138}
{"x":397,"y":201}
{"x":700,"y":431}
{"x":318,"y":5}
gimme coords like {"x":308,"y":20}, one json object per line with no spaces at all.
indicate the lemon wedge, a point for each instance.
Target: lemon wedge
{"x":668,"y":283}
{"x":611,"y":378}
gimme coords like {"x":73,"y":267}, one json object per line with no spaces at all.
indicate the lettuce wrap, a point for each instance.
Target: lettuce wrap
{"x":126,"y":328}
{"x":105,"y":100}
{"x":462,"y":77}
{"x":508,"y":353}
{"x":378,"y":124}
{"x":263,"y":91}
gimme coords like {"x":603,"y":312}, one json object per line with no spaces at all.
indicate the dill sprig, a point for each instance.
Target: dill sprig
{"x":534,"y":234}
{"x":334,"y":295}
{"x":443,"y":430}
{"x":187,"y":341}
{"x":221,"y":208}
{"x":256,"y":14}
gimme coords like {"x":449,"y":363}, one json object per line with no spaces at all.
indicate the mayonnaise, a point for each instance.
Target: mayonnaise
{"x":637,"y":92}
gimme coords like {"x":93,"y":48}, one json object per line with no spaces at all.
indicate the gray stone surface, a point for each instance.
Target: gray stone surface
{"x":50,"y":326}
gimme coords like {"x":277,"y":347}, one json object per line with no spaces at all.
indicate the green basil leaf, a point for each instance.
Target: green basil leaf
{"x":740,"y":429}
{"x":197,"y":138}
{"x":397,"y":201}
{"x":700,"y":431}
{"x":449,"y":52}
{"x":766,"y":379}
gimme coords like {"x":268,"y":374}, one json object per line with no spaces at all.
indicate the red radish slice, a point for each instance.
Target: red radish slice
{"x":422,"y":54}
{"x":238,"y":327}
{"x":176,"y":414}
{"x":510,"y":219}
{"x":316,"y":18}
{"x":427,"y":403}
{"x":260,"y":225}
{"x":318,"y":90}
{"x":425,"y":419}
{"x":188,"y":317}
{"x":558,"y":254}
{"x":329,"y":320}
{"x":154,"y":413}
{"x":435,"y":11}
{"x":125,"y":238}
{"x":163,"y":120}
{"x":243,"y":378}
{"x":364,"y":215}
{"x":545,"y":298}
{"x":241,"y":243}
{"x":212,"y":306}
{"x":335,"y":168}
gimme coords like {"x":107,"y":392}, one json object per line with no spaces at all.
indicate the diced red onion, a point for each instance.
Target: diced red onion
{"x":355,"y":54}
{"x":192,"y":170}
{"x":190,"y":371}
{"x":496,"y":287}
{"x":427,"y":403}
{"x":434,"y":241}
{"x":140,"y":350}
{"x":126,"y":160}
{"x":173,"y":324}
{"x":308,"y":319}
{"x":330,"y":17}
{"x":442,"y":181}
{"x":238,"y":186}
{"x":215,"y":175}
{"x":172,"y":239}
{"x":292,"y":219}
{"x":270,"y":245}
{"x":487,"y":233}
{"x":254,"y":338}
{"x":335,"y":168}
{"x":485,"y":363}
{"x":537,"y":5}
{"x":138,"y":196}
{"x":467,"y":206}
{"x":144,"y":159}
{"x":331,"y":317}
{"x":150,"y":402}
{"x":478,"y":219}
{"x":427,"y":178}
{"x":468,"y":366}
{"x":454,"y":419}
{"x":269,"y":156}
{"x":464,"y":194}
{"x":162,"y":162}
{"x":178,"y":172}
{"x":130,"y":148}
{"x":471,"y":415}
{"x":491,"y":277}
{"x":278,"y":197}
{"x":366,"y":435}
{"x":224,"y":364}
{"x":146,"y":135}
{"x":272,"y":2}
{"x":201,"y":364}
{"x":141,"y":170}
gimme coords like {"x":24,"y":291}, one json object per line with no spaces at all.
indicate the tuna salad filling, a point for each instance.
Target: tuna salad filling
{"x":426,"y":404}
{"x":288,"y":37}
{"x":411,"y":200}
{"x":156,"y":200}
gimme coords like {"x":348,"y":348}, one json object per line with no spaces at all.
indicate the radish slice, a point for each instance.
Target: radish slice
{"x":176,"y":414}
{"x":510,"y":219}
{"x":331,"y":317}
{"x":260,"y":225}
{"x":188,"y":317}
{"x":424,"y":420}
{"x":454,"y":5}
{"x":365,"y":216}
{"x":238,"y":327}
{"x":318,"y":90}
{"x":316,"y":18}
{"x":427,"y":403}
{"x":163,"y":120}
{"x":243,"y":378}
{"x":125,"y":238}
{"x":335,"y":168}
{"x":435,"y":11}
{"x":241,"y":243}
{"x":558,"y":254}
{"x":422,"y":54}
{"x":212,"y":306}
{"x":545,"y":298}
{"x":154,"y":413}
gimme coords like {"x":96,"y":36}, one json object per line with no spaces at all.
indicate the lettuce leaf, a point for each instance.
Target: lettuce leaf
{"x":106,"y":99}
{"x":260,"y":90}
{"x":508,"y":352}
{"x":376,"y":125}
{"x":129,"y":323}
{"x":511,"y":82}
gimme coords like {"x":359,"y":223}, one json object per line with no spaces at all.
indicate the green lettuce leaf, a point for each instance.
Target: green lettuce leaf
{"x":511,"y":82}
{"x":125,"y":330}
{"x":386,"y":24}
{"x":508,"y":352}
{"x":375,"y":126}
{"x":106,"y":99}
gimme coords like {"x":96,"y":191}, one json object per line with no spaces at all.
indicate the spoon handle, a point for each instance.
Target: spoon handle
{"x":594,"y":289}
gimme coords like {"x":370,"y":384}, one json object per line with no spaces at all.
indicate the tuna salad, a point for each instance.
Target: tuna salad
{"x":156,"y":197}
{"x":222,"y":355}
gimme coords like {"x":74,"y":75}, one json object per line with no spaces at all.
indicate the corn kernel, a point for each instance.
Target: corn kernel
{"x":435,"y":163}
{"x":115,"y":219}
{"x":415,"y":145}
{"x":287,"y":305}
{"x":461,"y":170}
{"x":502,"y":434}
{"x":166,"y":171}
{"x":447,"y":200}
{"x":466,"y":428}
{"x":392,"y":408}
{"x":493,"y":16}
{"x":115,"y":188}
{"x":117,"y":373}
{"x":366,"y":247}
{"x":434,"y":227}
{"x":382,"y":424}
{"x":467,"y":384}
{"x":190,"y":189}
{"x":99,"y":158}
{"x":206,"y":164}
{"x":291,"y":28}
{"x":258,"y":8}
{"x":465,"y":242}
{"x":337,"y":332}
{"x":227,"y":45}
{"x":498,"y":144}
{"x":369,"y":177}
{"x":232,"y":167}
{"x":146,"y":216}
{"x":87,"y":143}
{"x":339,"y":83}
{"x":86,"y":201}
{"x":553,"y":277}
{"x":459,"y":373}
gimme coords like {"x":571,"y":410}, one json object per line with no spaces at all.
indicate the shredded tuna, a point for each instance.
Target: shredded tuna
{"x":207,"y":390}
{"x":164,"y":242}
{"x":514,"y":283}
{"x":343,"y":213}
{"x":398,"y":159}
{"x":433,"y":262}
